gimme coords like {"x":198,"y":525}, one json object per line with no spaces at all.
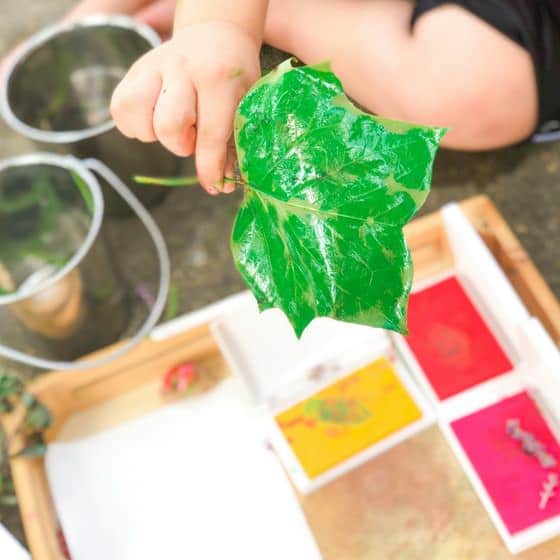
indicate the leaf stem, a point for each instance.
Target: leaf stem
{"x":176,"y":181}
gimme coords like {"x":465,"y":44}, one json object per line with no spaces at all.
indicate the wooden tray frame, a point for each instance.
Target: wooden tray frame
{"x":69,"y":393}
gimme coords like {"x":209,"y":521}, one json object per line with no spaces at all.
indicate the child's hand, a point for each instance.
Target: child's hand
{"x":185,"y":93}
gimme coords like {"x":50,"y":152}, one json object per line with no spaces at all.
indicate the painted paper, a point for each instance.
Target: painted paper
{"x":345,"y":418}
{"x":452,"y":343}
{"x":512,"y":476}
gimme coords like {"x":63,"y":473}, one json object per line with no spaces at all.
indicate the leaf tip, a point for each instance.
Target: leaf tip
{"x":299,"y":324}
{"x":325,"y":66}
{"x":403,"y":330}
{"x":400,"y":325}
{"x":439,"y":133}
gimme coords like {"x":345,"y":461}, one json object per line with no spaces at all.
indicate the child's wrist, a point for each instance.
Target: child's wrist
{"x":256,"y":36}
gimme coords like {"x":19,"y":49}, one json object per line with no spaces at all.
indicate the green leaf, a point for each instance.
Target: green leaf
{"x":31,"y":451}
{"x":35,"y":447}
{"x":5,"y":406}
{"x":8,"y":500}
{"x":38,"y":417}
{"x":328,"y":190}
{"x":28,"y":400}
{"x":6,"y":484}
{"x":7,"y":495}
{"x":23,"y":200}
{"x":85,"y":191}
{"x":10,"y":385}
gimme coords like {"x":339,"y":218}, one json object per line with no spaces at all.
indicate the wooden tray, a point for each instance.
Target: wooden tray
{"x":414,"y":502}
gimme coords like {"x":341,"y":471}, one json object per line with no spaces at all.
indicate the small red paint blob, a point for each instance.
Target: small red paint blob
{"x":179,"y":379}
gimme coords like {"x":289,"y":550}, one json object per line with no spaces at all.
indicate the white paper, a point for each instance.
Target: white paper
{"x":10,"y":549}
{"x":263,"y":349}
{"x":192,"y":481}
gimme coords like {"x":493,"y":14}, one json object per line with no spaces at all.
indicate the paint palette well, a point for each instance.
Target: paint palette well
{"x":512,"y":478}
{"x":450,"y":340}
{"x":347,"y":417}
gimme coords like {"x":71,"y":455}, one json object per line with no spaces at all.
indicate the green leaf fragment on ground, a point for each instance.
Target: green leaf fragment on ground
{"x":328,"y":190}
{"x":35,"y":450}
{"x":85,"y":191}
{"x":38,"y":417}
{"x":10,"y":385}
{"x":173,"y":303}
{"x":9,"y":500}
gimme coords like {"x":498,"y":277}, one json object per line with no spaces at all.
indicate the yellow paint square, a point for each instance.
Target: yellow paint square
{"x":345,"y":418}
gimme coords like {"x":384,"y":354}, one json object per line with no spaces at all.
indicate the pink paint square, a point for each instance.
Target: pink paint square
{"x":512,"y":478}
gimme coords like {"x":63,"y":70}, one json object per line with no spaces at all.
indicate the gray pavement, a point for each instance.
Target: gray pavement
{"x":524,"y":183}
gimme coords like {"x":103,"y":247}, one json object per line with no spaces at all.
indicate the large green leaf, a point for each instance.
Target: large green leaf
{"x":328,"y":189}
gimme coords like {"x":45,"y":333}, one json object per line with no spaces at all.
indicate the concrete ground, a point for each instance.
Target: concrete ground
{"x":524,"y":183}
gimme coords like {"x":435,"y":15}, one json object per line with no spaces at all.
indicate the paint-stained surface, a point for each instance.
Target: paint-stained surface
{"x":412,"y":503}
{"x":347,"y":417}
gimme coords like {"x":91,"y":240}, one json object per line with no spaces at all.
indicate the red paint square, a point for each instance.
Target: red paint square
{"x":512,"y":478}
{"x":451,"y":341}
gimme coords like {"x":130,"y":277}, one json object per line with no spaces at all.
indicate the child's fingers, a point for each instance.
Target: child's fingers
{"x":175,"y":114}
{"x":216,"y":108}
{"x":133,"y":103}
{"x":231,"y":158}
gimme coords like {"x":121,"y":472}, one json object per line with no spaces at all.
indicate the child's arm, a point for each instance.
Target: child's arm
{"x":88,"y":7}
{"x":248,"y":15}
{"x":185,"y":92}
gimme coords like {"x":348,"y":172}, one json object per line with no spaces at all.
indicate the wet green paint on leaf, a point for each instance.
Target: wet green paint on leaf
{"x":328,"y":189}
